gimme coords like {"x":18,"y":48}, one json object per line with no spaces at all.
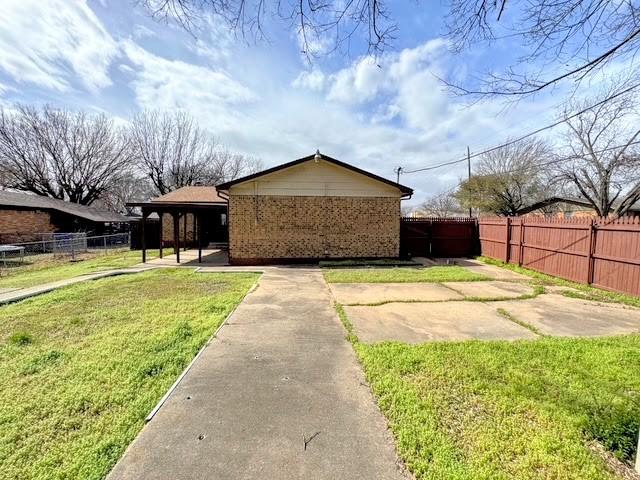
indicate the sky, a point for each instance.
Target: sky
{"x":265,"y":98}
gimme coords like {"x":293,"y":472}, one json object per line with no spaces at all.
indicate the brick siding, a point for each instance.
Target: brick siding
{"x":296,"y":227}
{"x":24,"y":225}
{"x":167,"y":230}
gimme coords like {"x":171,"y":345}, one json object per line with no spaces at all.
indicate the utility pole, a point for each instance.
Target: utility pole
{"x":398,"y":170}
{"x":469,"y":172}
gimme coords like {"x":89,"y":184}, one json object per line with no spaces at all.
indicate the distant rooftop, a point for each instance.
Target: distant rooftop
{"x":27,"y":200}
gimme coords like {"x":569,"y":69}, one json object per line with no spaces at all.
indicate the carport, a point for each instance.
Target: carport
{"x":208,"y":213}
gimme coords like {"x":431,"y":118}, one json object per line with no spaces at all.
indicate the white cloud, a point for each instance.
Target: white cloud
{"x":165,"y":84}
{"x":51,"y":43}
{"x":313,"y":80}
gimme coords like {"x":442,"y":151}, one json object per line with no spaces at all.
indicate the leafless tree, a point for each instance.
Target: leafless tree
{"x":509,"y":178}
{"x":578,"y":37}
{"x":315,"y":21}
{"x":57,"y":153}
{"x":569,"y":39}
{"x":442,"y":205}
{"x":126,"y":189}
{"x":173,"y":152}
{"x":604,"y":145}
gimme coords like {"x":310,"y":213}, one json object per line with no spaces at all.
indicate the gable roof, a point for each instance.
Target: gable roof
{"x":31,"y":201}
{"x":191,"y":194}
{"x":225,"y":186}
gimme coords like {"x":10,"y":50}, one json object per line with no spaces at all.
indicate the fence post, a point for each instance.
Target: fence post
{"x":521,"y":242}
{"x":591,"y":250}
{"x":507,"y":244}
{"x":104,"y":242}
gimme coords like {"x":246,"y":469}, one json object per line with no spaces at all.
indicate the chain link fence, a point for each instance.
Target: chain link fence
{"x":72,"y":245}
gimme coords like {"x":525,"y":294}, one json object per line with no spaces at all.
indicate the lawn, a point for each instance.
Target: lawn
{"x":452,"y":273}
{"x":83,"y":366}
{"x":508,"y":410}
{"x":51,"y":269}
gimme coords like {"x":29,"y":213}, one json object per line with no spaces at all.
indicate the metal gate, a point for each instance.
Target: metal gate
{"x":438,"y":237}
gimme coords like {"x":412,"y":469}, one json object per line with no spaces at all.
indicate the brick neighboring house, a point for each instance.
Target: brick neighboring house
{"x":23,"y":217}
{"x":312,"y":208}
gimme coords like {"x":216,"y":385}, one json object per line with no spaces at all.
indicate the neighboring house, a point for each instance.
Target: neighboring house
{"x":565,"y":207}
{"x":312,"y":208}
{"x":24,"y":217}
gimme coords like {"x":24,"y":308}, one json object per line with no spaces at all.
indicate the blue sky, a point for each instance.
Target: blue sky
{"x":265,"y":98}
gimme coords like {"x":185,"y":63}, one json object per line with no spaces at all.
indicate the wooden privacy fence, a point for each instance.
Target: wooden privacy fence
{"x":601,"y":252}
{"x":438,"y":237}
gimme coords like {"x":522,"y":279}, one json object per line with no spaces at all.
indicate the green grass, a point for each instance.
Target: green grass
{"x":584,"y":292}
{"x":52,"y":269}
{"x":376,"y":262}
{"x":82,"y":366}
{"x":451,"y":273}
{"x":508,"y":410}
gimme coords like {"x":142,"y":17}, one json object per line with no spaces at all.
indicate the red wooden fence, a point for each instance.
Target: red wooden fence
{"x":600,"y":252}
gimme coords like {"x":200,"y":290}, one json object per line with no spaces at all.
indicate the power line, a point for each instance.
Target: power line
{"x":527,"y":135}
{"x":547,"y":163}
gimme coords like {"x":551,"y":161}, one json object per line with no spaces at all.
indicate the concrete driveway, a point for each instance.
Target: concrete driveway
{"x":500,"y":310}
{"x":277,"y":395}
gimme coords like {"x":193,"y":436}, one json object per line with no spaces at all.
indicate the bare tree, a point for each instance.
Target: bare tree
{"x":579,"y":37}
{"x":572,"y":39}
{"x":315,"y":21}
{"x":61,"y":154}
{"x":604,"y":145}
{"x":509,"y":178}
{"x":126,"y":189}
{"x":173,"y":152}
{"x":442,"y":205}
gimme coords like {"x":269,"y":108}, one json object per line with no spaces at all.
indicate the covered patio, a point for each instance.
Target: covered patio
{"x":198,"y":218}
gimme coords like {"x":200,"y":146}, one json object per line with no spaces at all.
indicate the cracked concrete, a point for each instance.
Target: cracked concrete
{"x":422,"y":322}
{"x":280,"y":376}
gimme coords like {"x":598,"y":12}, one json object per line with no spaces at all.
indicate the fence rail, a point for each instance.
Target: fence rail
{"x":602,"y":252}
{"x":68,"y":244}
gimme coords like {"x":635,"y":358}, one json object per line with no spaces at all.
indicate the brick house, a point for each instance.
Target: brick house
{"x":312,"y":208}
{"x":24,"y":217}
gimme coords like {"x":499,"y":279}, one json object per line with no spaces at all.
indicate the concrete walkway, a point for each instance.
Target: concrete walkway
{"x":278,"y":394}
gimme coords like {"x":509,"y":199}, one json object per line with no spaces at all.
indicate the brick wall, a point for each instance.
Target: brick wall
{"x":167,"y":230}
{"x":23,"y":225}
{"x":292,"y":227}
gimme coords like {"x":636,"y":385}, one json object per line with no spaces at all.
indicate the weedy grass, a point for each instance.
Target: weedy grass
{"x":82,"y":366}
{"x":53,"y":269}
{"x":453,"y":273}
{"x":508,"y":410}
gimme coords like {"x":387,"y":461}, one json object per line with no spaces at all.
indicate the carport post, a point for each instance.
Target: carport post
{"x":161,"y":228}
{"x":176,"y":235}
{"x":184,"y":244}
{"x":142,"y":239}
{"x":197,"y":221}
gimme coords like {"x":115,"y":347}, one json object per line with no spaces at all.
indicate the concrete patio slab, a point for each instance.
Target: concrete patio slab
{"x":492,"y":289}
{"x":278,"y":394}
{"x":562,"y":316}
{"x":368,"y":293}
{"x":422,"y":322}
